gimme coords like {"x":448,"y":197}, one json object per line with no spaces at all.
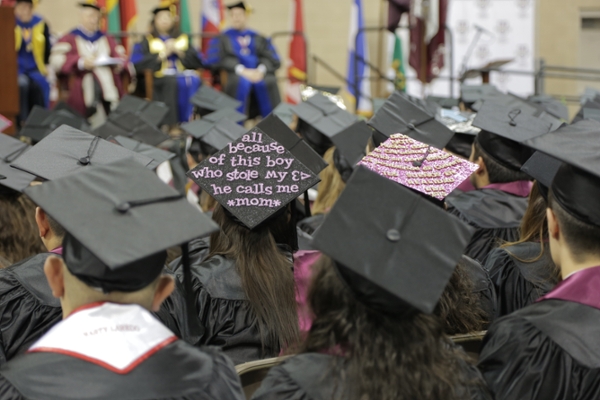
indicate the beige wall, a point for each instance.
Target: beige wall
{"x":558,"y":40}
{"x":326,"y":25}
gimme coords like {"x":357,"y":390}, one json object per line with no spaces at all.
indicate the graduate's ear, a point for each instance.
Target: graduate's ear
{"x":53,"y":268}
{"x":164,"y":288}
{"x":42,"y":222}
{"x":482,"y":168}
{"x":553,"y":227}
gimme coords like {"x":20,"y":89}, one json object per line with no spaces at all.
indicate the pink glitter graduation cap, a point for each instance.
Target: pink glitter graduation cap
{"x":419,"y":166}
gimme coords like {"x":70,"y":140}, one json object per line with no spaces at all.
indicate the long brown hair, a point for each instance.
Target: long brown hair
{"x":19,"y":235}
{"x":331,"y":185}
{"x":386,"y":358}
{"x":459,"y":307}
{"x":266,"y":273}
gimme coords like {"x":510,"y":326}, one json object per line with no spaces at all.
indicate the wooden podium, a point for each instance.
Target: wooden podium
{"x":9,"y":98}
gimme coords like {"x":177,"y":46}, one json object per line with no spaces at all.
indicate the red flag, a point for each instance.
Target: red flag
{"x":128,"y":18}
{"x":297,"y":61}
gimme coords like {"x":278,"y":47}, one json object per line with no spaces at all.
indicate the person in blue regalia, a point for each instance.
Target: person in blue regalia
{"x":32,"y":44}
{"x":250,"y":62}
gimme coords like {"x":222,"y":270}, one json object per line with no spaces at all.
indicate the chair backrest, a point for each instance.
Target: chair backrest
{"x":252,"y":373}
{"x":470,"y":342}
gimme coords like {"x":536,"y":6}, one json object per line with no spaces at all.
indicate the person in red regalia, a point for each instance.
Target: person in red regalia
{"x":92,"y":62}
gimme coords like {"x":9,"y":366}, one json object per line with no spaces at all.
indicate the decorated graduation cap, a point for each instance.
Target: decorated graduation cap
{"x":125,"y":204}
{"x":157,"y":155}
{"x":461,"y":123}
{"x":543,"y":169}
{"x":151,"y":111}
{"x":223,"y":113}
{"x":90,"y":4}
{"x":400,"y":115}
{"x":350,"y":147}
{"x":132,"y":126}
{"x":503,"y":130}
{"x":319,"y":119}
{"x":42,"y":121}
{"x":12,"y":179}
{"x":419,"y":166}
{"x":576,"y":185}
{"x":213,"y":136}
{"x":257,"y":175}
{"x":412,"y":250}
{"x":207,"y":100}
{"x":67,"y":150}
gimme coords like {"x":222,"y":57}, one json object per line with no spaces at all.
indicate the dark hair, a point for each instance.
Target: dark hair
{"x":266,"y":273}
{"x":19,"y":235}
{"x":497,"y":172}
{"x":582,"y":238}
{"x":459,"y":307}
{"x":386,"y":358}
{"x":56,"y":228}
{"x":175,"y":31}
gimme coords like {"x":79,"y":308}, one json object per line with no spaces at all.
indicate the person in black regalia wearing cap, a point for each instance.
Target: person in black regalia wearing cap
{"x":250,"y":62}
{"x":174,"y":60}
{"x":549,"y":350}
{"x":245,"y":285}
{"x":373,"y":335}
{"x":109,"y":279}
{"x":523,"y":271}
{"x":499,"y":203}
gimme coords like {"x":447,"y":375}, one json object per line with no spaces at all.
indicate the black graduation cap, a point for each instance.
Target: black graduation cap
{"x":320,"y":119}
{"x":461,"y":123}
{"x":444,"y":102}
{"x":350,"y":147}
{"x":62,"y":105}
{"x":588,"y":105}
{"x":412,"y":247}
{"x":228,"y":113}
{"x":152,"y":111}
{"x":255,"y":176}
{"x":400,"y":115}
{"x":41,"y":122}
{"x":12,"y":179}
{"x":239,"y":4}
{"x":285,"y":112}
{"x":553,"y":106}
{"x":158,"y":156}
{"x":469,"y":94}
{"x":67,"y":150}
{"x":543,"y":169}
{"x":90,"y":3}
{"x":576,"y":185}
{"x":591,"y":113}
{"x":207,"y":100}
{"x":504,"y":129}
{"x":213,"y":136}
{"x":132,"y":126}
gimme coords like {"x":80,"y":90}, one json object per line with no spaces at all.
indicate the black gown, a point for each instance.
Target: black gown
{"x":495,"y":214}
{"x":177,"y":371}
{"x":546,"y":351}
{"x":28,"y":309}
{"x":309,"y":376}
{"x":226,"y":315}
{"x":518,"y":283}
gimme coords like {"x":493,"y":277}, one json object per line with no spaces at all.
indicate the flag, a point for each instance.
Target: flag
{"x":128,"y":18}
{"x":395,"y":10}
{"x":297,"y":61}
{"x":396,"y":71}
{"x":184,"y":17}
{"x":358,"y":48}
{"x":212,"y":20}
{"x":113,"y":16}
{"x":427,"y":37}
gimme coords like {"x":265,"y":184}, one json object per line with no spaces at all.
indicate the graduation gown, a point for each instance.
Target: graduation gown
{"x":83,"y":84}
{"x":482,"y":286}
{"x":224,"y":311}
{"x":548,"y":350}
{"x":175,"y":79}
{"x":517,"y":283}
{"x":250,"y":50}
{"x":495,"y":213}
{"x":110,"y":351}
{"x":309,"y":376}
{"x":28,"y":309}
{"x":310,"y":224}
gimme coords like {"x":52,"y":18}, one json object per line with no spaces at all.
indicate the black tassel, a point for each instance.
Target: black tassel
{"x":196,"y":329}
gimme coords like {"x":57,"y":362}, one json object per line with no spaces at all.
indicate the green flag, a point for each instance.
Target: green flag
{"x":398,"y":65}
{"x":184,"y":17}
{"x":113,"y":16}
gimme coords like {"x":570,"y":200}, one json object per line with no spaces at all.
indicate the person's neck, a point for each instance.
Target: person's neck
{"x":163,"y":33}
{"x":569,"y":266}
{"x":87,"y":32}
{"x":52,"y":242}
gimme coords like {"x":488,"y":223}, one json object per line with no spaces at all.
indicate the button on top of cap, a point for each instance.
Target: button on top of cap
{"x":393,"y":235}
